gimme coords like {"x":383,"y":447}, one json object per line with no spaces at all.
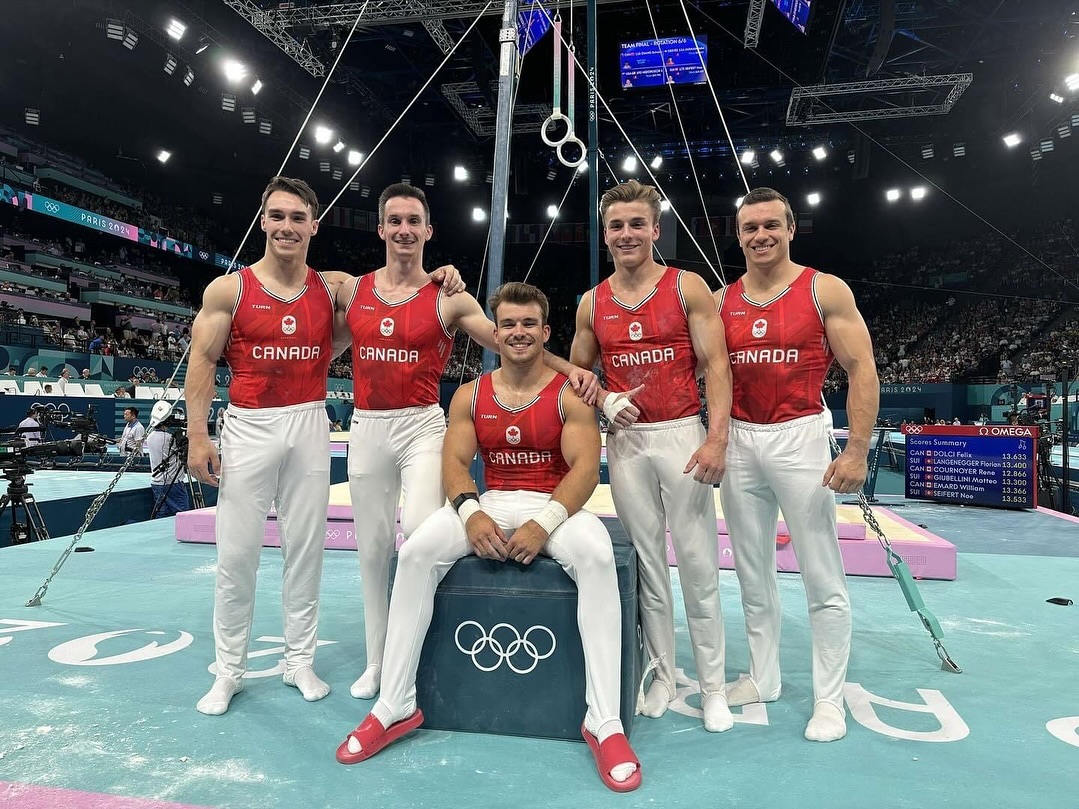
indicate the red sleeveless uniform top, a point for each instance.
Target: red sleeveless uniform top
{"x":779,"y":352}
{"x":399,"y":350}
{"x":649,"y":344}
{"x":279,"y":351}
{"x":521,"y":447}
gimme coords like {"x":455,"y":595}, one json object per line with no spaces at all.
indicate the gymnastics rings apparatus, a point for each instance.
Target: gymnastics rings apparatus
{"x":556,"y":117}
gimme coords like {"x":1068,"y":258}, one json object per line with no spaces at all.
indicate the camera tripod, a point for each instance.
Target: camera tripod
{"x":32,"y":528}
{"x":176,"y":457}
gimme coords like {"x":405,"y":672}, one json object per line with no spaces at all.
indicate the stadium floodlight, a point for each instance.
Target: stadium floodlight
{"x":664,"y":204}
{"x":489,"y":178}
{"x":460,"y":173}
{"x":738,"y":202}
{"x":32,"y":116}
{"x":777,"y":157}
{"x":324,"y":166}
{"x":304,"y":152}
{"x":170,"y":64}
{"x":748,"y":156}
{"x":1035,"y":153}
{"x":582,"y":167}
{"x":1012,"y":139}
{"x":354,"y":157}
{"x":429,"y":179}
{"x":114,"y":29}
{"x":337,"y":147}
{"x":337,"y":174}
{"x":1064,"y":131}
{"x":204,"y":43}
{"x":131,"y":39}
{"x":265,"y":127}
{"x":552,"y":211}
{"x":892,"y":195}
{"x":164,"y":155}
{"x":927,"y":152}
{"x":820,"y":153}
{"x":228,"y":102}
{"x":323,"y":134}
{"x":959,"y":149}
{"x":234,"y":71}
{"x":176,"y":29}
{"x":918,"y":192}
{"x":365,"y":191}
{"x":629,"y":164}
{"x":217,"y":198}
{"x":189,"y":77}
{"x":256,"y":88}
{"x":1056,"y":97}
{"x":406,"y":179}
{"x":1072,"y":81}
{"x":657,"y":161}
{"x":813,"y":199}
{"x":479,"y":215}
{"x":248,"y":115}
{"x":1046,"y":145}
{"x":354,"y":185}
{"x":551,"y":173}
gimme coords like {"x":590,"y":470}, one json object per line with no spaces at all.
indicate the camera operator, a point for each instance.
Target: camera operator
{"x":167,"y":472}
{"x":133,"y":431}
{"x":30,"y":437}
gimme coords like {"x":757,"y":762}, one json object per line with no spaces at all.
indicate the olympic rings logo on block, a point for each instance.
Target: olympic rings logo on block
{"x":914,"y":429}
{"x":52,"y":207}
{"x":515,"y":645}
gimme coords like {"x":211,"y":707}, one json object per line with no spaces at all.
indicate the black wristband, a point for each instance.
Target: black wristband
{"x":459,"y":500}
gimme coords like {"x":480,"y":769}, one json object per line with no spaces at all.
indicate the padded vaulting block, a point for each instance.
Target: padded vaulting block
{"x":530,"y":680}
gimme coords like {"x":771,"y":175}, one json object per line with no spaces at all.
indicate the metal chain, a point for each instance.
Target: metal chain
{"x":91,"y":512}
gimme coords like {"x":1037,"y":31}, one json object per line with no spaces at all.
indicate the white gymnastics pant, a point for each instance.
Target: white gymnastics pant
{"x":581,"y":545}
{"x":781,"y":466}
{"x":281,"y":456}
{"x":390,"y":452}
{"x":650,"y":492}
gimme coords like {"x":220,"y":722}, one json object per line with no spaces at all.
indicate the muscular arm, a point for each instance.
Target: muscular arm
{"x":585,"y":350}
{"x":710,"y":346}
{"x":853,"y":348}
{"x":209,"y":334}
{"x":343,"y":285}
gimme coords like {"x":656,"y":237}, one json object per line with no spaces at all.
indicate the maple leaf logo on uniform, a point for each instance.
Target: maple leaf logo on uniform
{"x":760,"y":328}
{"x":513,"y":434}
{"x":288,"y":324}
{"x":636,"y":332}
{"x":386,"y":326}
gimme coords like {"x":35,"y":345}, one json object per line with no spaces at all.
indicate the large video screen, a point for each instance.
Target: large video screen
{"x":797,"y":11}
{"x":672,"y":60}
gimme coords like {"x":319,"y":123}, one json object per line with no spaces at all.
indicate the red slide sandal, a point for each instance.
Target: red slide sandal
{"x":614,"y":751}
{"x":373,"y":737}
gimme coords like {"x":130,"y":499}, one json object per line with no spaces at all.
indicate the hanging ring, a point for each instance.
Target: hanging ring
{"x":574,"y":140}
{"x":556,"y":117}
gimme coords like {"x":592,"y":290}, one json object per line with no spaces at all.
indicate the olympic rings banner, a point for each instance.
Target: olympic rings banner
{"x":39,"y":203}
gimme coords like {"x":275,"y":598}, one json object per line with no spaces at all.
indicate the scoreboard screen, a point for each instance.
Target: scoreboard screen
{"x":989,"y":465}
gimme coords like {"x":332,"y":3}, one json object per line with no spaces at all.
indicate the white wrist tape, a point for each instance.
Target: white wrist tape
{"x":467,"y":509}
{"x":613,"y":405}
{"x":551,"y":516}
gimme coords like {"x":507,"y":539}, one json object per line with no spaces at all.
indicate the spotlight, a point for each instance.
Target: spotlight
{"x":170,"y":64}
{"x":1046,"y":146}
{"x":304,"y":152}
{"x":552,"y":211}
{"x":429,"y":179}
{"x":256,"y":87}
{"x":664,"y":204}
{"x":813,"y":199}
{"x":1064,"y":131}
{"x":959,"y":149}
{"x":354,"y":157}
{"x":228,"y":102}
{"x":629,"y":164}
{"x":1012,"y":139}
{"x":479,"y":215}
{"x":176,"y":29}
{"x":927,"y":152}
{"x":918,"y":192}
{"x":323,"y":134}
{"x":892,"y":195}
{"x":164,"y":155}
{"x":131,"y":39}
{"x":738,"y":202}
{"x":354,"y":185}
{"x":1035,"y":153}
{"x":247,"y":115}
{"x":777,"y":157}
{"x":657,"y":161}
{"x":32,"y":116}
{"x":324,"y":166}
{"x":460,"y":173}
{"x":337,"y":174}
{"x":337,"y":147}
{"x":582,"y":167}
{"x":234,"y":71}
{"x":748,"y":156}
{"x":189,"y":77}
{"x":1072,"y":81}
{"x":265,"y":126}
{"x":365,"y":191}
{"x":114,"y":29}
{"x":820,"y":153}
{"x":1059,"y":99}
{"x":217,"y":198}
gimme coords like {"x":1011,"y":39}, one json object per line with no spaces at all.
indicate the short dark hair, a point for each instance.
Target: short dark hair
{"x":522,"y":294}
{"x":134,"y":411}
{"x":631,"y":191}
{"x":764,"y":194}
{"x":403,"y":190}
{"x":291,"y":185}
